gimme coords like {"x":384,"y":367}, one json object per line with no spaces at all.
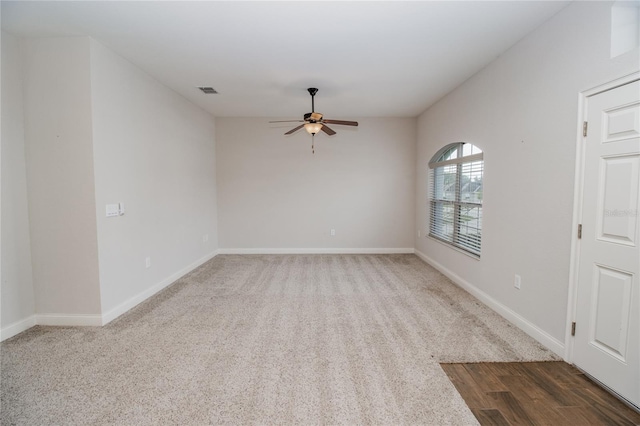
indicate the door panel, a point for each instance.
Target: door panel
{"x":607,"y":340}
{"x":618,"y":199}
{"x":621,"y":123}
{"x":610,"y":313}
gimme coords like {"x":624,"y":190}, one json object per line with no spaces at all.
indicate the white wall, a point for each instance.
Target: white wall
{"x":97,"y":130}
{"x":273,"y":193}
{"x":59,"y":158}
{"x":16,"y":293}
{"x":522,"y":110}
{"x":155,"y":152}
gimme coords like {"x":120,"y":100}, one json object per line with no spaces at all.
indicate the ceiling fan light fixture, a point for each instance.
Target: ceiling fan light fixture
{"x":313,"y":128}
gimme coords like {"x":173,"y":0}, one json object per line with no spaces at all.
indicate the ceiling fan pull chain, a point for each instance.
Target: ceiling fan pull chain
{"x":313,"y":151}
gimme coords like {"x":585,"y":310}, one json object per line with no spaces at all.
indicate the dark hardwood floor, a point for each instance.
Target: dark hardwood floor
{"x":536,"y":393}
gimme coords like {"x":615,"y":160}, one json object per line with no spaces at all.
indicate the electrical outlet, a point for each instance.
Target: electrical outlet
{"x":205,"y":238}
{"x":418,"y":233}
{"x":517,"y":281}
{"x":147,"y":262}
{"x":333,"y":232}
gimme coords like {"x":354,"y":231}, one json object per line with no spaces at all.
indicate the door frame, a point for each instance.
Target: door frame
{"x":583,"y":98}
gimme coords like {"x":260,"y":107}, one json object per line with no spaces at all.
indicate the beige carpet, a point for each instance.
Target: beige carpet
{"x":267,"y":339}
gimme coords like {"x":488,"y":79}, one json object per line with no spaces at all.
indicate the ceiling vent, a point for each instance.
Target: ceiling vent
{"x":208,"y":90}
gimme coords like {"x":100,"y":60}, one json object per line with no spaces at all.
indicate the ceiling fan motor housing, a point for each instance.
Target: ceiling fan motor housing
{"x":312,"y":117}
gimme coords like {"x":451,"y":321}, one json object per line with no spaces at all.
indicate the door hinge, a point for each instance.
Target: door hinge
{"x":579,"y":231}
{"x":584,"y":128}
{"x":573,"y":328}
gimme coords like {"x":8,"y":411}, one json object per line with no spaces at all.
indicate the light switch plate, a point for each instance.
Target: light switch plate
{"x":113,"y":210}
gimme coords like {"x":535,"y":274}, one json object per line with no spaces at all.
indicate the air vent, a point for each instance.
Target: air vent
{"x":208,"y":90}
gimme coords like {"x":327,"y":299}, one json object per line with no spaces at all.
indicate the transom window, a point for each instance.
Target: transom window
{"x":455,"y":196}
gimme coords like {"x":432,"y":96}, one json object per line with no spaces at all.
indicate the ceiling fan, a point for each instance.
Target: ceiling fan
{"x":314,"y":121}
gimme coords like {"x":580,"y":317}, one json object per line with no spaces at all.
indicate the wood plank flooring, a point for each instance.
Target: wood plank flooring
{"x":536,"y":393}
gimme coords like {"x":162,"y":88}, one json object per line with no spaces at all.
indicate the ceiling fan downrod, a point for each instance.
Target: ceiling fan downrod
{"x":312,"y":92}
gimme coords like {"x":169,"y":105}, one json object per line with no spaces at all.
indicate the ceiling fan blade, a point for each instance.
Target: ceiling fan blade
{"x":288,"y":121}
{"x":342,"y":122}
{"x":295,"y":129}
{"x":327,"y":130}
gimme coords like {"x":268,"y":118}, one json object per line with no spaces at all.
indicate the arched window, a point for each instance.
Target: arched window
{"x":455,"y":196}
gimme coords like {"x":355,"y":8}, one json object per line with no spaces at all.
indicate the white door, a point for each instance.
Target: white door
{"x":607,"y":333}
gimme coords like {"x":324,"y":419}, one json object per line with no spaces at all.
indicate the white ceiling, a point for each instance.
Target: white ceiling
{"x":368,"y":59}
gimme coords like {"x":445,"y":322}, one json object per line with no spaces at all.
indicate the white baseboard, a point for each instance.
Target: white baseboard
{"x":69,"y":320}
{"x":17,"y":327}
{"x":316,"y":251}
{"x":141,"y":297}
{"x":97,"y":320}
{"x":522,"y":323}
